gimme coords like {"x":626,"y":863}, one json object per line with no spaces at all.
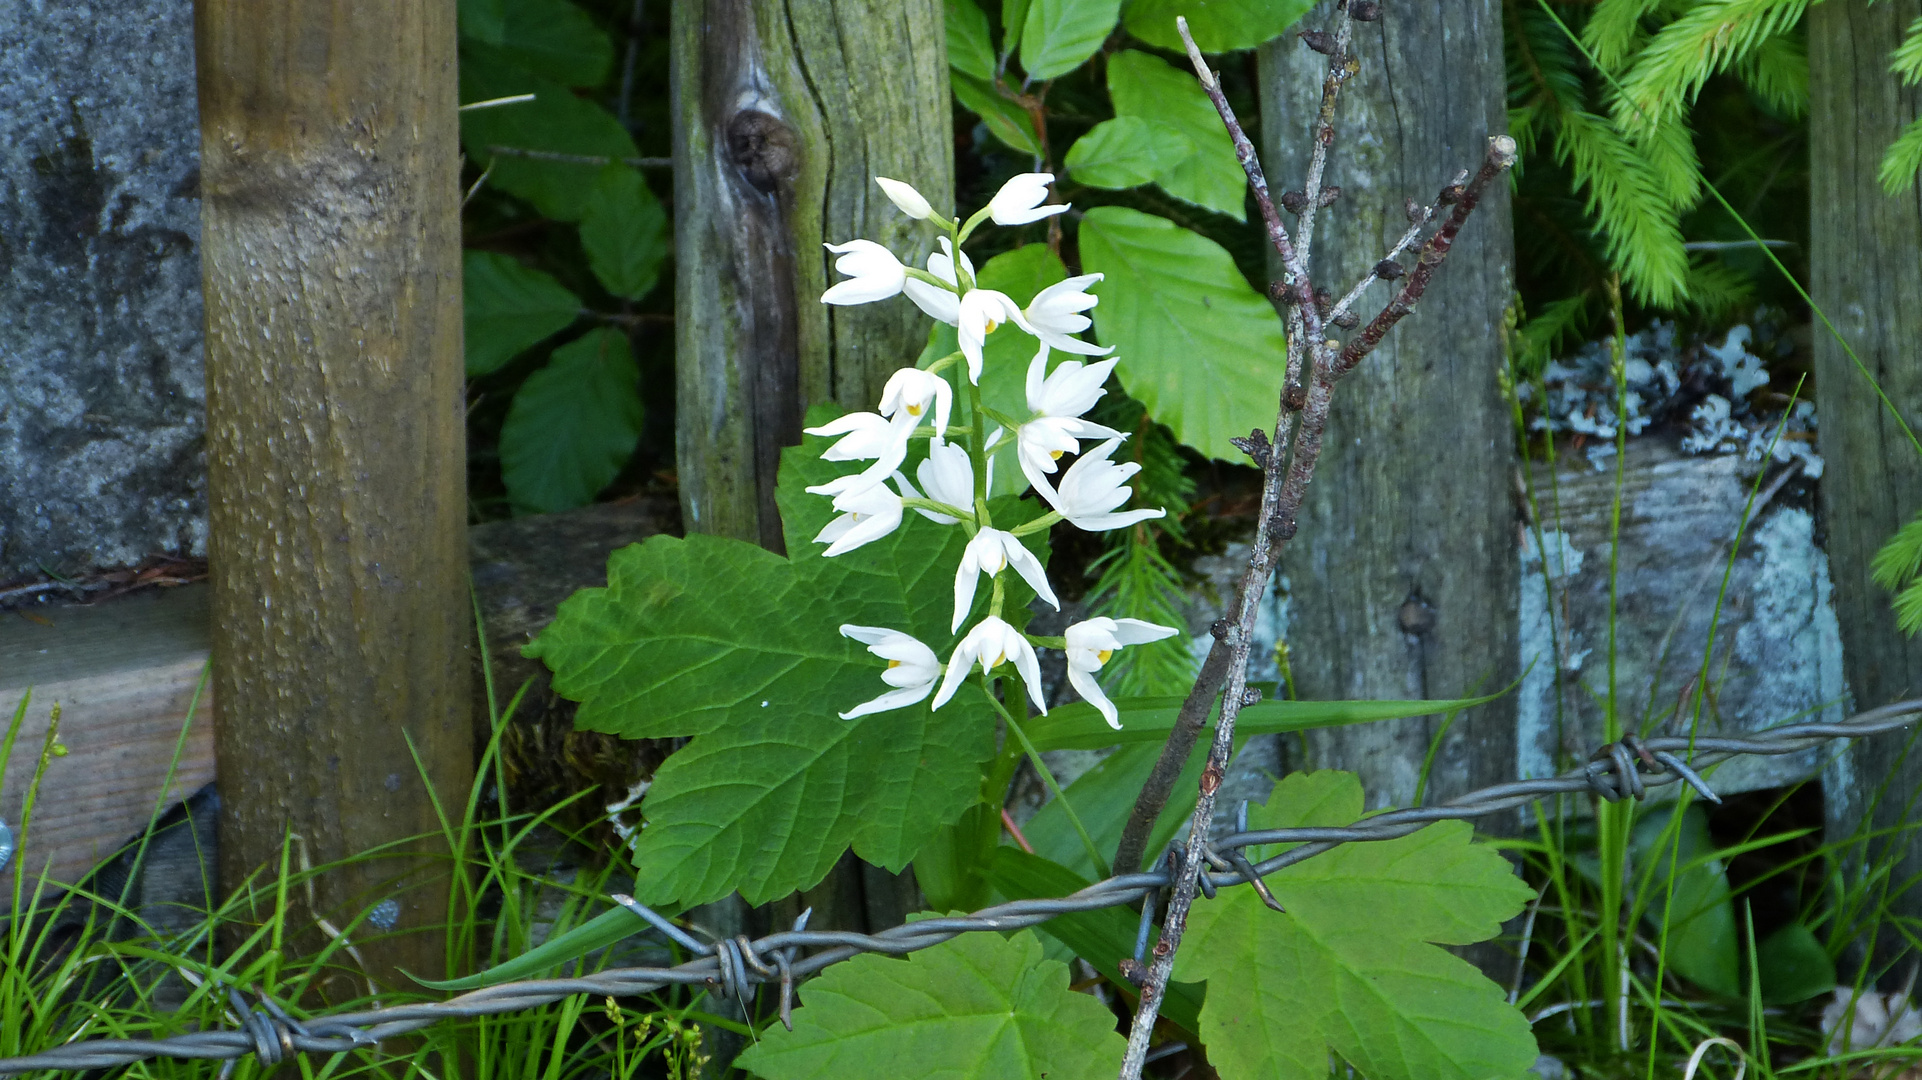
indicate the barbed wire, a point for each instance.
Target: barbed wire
{"x":737,"y":967}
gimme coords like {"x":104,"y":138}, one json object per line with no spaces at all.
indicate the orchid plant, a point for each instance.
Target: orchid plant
{"x":918,"y":404}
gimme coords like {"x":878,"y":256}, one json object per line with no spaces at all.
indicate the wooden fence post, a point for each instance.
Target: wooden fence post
{"x":783,"y":115}
{"x":1866,"y":245}
{"x":1404,"y":575}
{"x":337,"y":493}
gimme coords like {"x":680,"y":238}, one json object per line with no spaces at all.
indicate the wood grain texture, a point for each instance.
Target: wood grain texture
{"x":336,"y":452}
{"x":1866,"y":245}
{"x":783,"y":114}
{"x":1403,"y":575}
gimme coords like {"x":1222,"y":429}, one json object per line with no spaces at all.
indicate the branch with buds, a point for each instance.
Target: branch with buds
{"x":1288,"y":459}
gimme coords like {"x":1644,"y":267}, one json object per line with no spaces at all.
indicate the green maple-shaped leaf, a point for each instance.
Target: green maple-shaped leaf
{"x":738,"y":647}
{"x":975,"y":1007}
{"x":1353,"y":967}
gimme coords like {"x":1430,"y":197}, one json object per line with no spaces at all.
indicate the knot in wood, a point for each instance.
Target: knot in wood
{"x":1415,"y":616}
{"x":763,"y":148}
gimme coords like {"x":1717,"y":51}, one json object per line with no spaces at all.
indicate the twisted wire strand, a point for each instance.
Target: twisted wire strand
{"x":737,"y":966}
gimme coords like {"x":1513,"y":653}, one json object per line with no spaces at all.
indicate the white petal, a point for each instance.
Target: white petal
{"x":862,"y":290}
{"x":869,"y":635}
{"x":1030,"y":668}
{"x":1019,"y":200}
{"x":1091,"y":634}
{"x":1105,"y":522}
{"x":1029,"y":568}
{"x":937,"y":303}
{"x":1090,"y":692}
{"x":909,"y":200}
{"x":1140,"y":631}
{"x":893,"y":699}
{"x":966,"y":578}
{"x":958,"y":666}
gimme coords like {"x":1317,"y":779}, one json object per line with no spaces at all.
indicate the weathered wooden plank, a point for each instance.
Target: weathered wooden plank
{"x":1403,"y":568}
{"x":124,"y":674}
{"x":1865,"y":247}
{"x":336,"y":443}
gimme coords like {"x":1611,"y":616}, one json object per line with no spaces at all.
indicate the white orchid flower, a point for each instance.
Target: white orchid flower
{"x":868,"y":513}
{"x":989,"y":643}
{"x":1055,"y":315}
{"x":1091,"y":643}
{"x":990,"y":552}
{"x":1020,"y":200}
{"x":910,"y":392}
{"x":864,"y":436}
{"x":941,"y":304}
{"x":1093,"y":486}
{"x":948,"y":476}
{"x":912,"y":668}
{"x":873,"y":273}
{"x":1057,"y":402}
{"x":910,"y":201}
{"x":981,"y":312}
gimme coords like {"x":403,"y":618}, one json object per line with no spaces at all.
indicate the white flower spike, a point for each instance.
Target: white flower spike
{"x":991,"y":551}
{"x":938,"y":303}
{"x":867,"y":514}
{"x":1055,"y":315}
{"x":873,"y":273}
{"x":1093,"y":486}
{"x":907,"y":199}
{"x":1057,"y":402}
{"x":948,"y":476}
{"x":1092,"y":643}
{"x":912,"y":668}
{"x":1020,"y":200}
{"x":989,"y":643}
{"x":981,"y":312}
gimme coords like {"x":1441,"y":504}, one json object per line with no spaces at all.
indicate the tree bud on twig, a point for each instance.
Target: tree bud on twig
{"x":1255,"y":445}
{"x":1295,"y":398}
{"x":1449,"y":195}
{"x":1347,"y":320}
{"x":1389,"y":270}
{"x":1329,"y":194}
{"x":1364,"y":10}
{"x":1294,"y":201}
{"x":1324,"y":300}
{"x":1417,"y":213}
{"x":1281,"y":292}
{"x":1321,"y":41}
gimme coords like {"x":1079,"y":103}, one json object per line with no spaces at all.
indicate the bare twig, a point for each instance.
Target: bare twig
{"x":1283,"y":489}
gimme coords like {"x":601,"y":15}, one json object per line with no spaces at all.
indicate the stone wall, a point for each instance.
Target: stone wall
{"x":101,"y":387}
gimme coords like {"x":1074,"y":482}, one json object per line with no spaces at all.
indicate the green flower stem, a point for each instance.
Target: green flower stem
{"x":967,"y":230}
{"x":1000,"y":594}
{"x":1046,"y":642}
{"x":1001,"y":418}
{"x":966,"y":516}
{"x":978,"y":456}
{"x":1045,"y":521}
{"x":922,"y":275}
{"x":943,"y":364}
{"x":1047,"y":777}
{"x":927,"y":432}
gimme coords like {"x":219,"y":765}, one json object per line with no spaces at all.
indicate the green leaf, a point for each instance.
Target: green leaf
{"x":976,"y":1006}
{"x":1014,"y":16}
{"x":1702,"y":940}
{"x":1061,"y":34}
{"x":506,"y":308}
{"x":1104,"y":797}
{"x":1147,"y":87}
{"x":1006,"y":120}
{"x":1200,"y":348}
{"x":1126,"y":152}
{"x":1793,"y":966}
{"x":970,"y":50}
{"x":1077,"y":726}
{"x":1218,"y":25}
{"x":1100,"y":937}
{"x":551,"y":38}
{"x":737,"y":647}
{"x":556,"y":122}
{"x":573,"y":425}
{"x":599,"y":932}
{"x":624,"y":232}
{"x":1353,"y":965}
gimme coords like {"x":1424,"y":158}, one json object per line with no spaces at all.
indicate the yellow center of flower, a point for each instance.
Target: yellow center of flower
{"x":1055,"y":454}
{"x":892,"y":664}
{"x":914,"y":410}
{"x":991,"y":327}
{"x":1103,"y":655}
{"x":991,"y":662}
